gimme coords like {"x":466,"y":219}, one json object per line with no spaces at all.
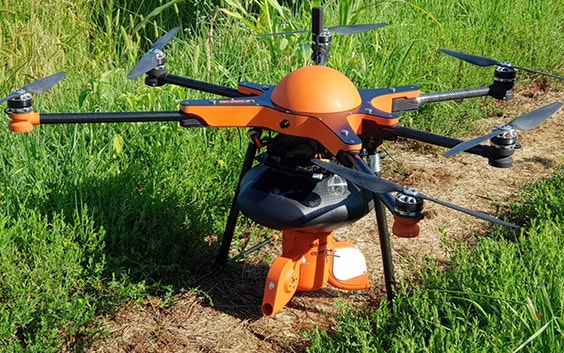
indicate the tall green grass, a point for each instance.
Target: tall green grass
{"x":93,"y":216}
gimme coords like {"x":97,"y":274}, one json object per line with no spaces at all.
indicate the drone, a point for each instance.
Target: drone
{"x":313,"y":159}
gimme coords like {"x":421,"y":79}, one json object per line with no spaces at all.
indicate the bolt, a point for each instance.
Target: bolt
{"x":284,"y":124}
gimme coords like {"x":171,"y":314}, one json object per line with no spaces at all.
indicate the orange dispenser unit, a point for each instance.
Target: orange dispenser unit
{"x":309,"y":261}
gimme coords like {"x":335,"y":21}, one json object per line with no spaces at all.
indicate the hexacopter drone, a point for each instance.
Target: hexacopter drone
{"x":310,"y":134}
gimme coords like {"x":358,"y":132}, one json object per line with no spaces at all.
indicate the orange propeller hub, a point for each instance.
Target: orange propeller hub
{"x":316,"y":90}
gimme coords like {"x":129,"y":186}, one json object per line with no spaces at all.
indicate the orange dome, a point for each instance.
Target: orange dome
{"x":316,"y":89}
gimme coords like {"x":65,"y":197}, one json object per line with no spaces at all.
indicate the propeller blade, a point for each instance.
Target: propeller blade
{"x":378,"y":185}
{"x":472,"y":59}
{"x":365,"y":180}
{"x":343,"y":30}
{"x":44,"y":84}
{"x":282,"y":33}
{"x":533,"y":119}
{"x":476,"y":214}
{"x":39,"y":86}
{"x":145,"y":64}
{"x":149,"y":61}
{"x":463,"y":146}
{"x":8,"y":97}
{"x":162,"y":41}
{"x":539,"y":72}
{"x":483,"y":61}
{"x":353,"y":29}
{"x":525,"y":122}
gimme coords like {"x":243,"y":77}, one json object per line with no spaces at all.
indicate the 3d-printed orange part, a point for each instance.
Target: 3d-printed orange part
{"x":385,"y":102}
{"x":348,"y":267}
{"x":316,"y":89}
{"x":308,"y":263}
{"x":328,"y":130}
{"x":281,"y":284}
{"x":382,"y":121}
{"x":316,"y":250}
{"x":249,"y":91}
{"x":406,"y":227}
{"x":23,"y":122}
{"x":303,"y":266}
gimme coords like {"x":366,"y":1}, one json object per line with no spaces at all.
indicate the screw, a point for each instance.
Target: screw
{"x":284,"y":124}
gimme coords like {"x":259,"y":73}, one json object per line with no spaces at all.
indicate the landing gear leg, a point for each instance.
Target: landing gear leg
{"x":385,"y":248}
{"x":382,"y":223}
{"x":223,"y":252}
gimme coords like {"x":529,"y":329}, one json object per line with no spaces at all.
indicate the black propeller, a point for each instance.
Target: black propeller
{"x":39,"y":86}
{"x":150,"y":60}
{"x":343,"y":30}
{"x":378,"y":185}
{"x":482,"y":61}
{"x":524,"y":122}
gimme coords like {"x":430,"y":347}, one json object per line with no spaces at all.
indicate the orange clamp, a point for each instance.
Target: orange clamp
{"x":23,"y":122}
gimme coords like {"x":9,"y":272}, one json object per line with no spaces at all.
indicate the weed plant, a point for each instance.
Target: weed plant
{"x":94,"y":216}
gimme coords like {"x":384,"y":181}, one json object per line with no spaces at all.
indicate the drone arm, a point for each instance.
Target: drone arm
{"x":434,"y":139}
{"x":454,"y":94}
{"x":112,"y":117}
{"x":407,"y":105}
{"x":244,"y":89}
{"x":162,"y":77}
{"x":25,"y":122}
{"x":497,"y":157}
{"x":202,"y":86}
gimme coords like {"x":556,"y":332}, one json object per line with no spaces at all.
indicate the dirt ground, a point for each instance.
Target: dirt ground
{"x":225,"y":315}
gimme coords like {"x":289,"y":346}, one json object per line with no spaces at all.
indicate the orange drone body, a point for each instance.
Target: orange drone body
{"x":314,"y":102}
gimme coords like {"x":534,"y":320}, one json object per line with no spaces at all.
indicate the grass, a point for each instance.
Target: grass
{"x":95,"y":216}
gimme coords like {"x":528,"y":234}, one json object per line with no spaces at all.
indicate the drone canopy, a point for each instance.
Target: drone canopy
{"x":316,"y":90}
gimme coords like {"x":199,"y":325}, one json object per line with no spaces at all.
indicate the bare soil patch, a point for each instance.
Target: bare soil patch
{"x":227,"y":317}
